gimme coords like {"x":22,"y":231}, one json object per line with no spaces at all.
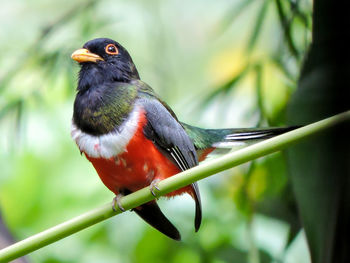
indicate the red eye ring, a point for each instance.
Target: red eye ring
{"x":111,"y":49}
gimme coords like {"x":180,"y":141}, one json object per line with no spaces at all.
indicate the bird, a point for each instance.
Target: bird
{"x":133,"y":138}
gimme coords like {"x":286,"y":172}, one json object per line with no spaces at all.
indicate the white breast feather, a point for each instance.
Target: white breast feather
{"x":108,"y":145}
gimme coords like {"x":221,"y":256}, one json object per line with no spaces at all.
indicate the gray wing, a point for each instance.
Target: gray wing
{"x":171,"y":139}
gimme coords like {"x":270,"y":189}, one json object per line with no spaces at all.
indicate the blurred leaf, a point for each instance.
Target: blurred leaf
{"x":285,"y":70}
{"x":11,"y":106}
{"x":32,"y":50}
{"x":286,"y":23}
{"x":165,"y":248}
{"x":232,"y":14}
{"x":228,"y":86}
{"x":278,"y":200}
{"x":260,"y":100}
{"x":257,"y":26}
{"x":228,"y":253}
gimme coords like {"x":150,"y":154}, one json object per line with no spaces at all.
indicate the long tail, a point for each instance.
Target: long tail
{"x":151,"y":213}
{"x":197,"y":198}
{"x":207,"y":140}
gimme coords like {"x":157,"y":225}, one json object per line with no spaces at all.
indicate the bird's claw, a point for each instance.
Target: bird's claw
{"x":116,"y":201}
{"x":153,"y":186}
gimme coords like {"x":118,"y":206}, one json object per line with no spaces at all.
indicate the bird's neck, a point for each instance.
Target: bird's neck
{"x":92,"y":74}
{"x":104,"y":107}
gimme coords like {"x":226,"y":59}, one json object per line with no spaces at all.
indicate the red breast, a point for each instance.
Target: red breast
{"x":137,"y":166}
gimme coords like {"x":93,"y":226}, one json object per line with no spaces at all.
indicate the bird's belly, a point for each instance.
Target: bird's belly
{"x":136,"y":167}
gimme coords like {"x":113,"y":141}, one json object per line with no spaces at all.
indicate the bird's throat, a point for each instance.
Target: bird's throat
{"x":103,"y":108}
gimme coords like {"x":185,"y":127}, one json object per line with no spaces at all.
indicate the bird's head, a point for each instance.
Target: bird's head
{"x":103,"y":60}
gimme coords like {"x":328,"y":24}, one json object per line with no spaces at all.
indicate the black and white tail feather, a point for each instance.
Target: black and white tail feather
{"x":230,"y":138}
{"x":242,"y":137}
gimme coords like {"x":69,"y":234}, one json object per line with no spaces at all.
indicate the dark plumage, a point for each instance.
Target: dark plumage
{"x":113,"y":68}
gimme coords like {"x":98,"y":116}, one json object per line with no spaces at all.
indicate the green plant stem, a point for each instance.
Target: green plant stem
{"x":168,"y":185}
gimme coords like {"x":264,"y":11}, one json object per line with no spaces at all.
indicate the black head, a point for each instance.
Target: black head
{"x":103,"y":60}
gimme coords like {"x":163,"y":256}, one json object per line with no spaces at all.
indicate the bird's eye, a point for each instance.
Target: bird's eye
{"x":111,"y":49}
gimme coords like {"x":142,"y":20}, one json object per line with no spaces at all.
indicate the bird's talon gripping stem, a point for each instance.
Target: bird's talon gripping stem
{"x":153,"y":186}
{"x":116,"y":201}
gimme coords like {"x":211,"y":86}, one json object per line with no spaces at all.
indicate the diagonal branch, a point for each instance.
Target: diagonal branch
{"x":168,"y":185}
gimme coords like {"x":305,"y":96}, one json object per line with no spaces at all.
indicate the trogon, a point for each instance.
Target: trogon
{"x":133,"y":138}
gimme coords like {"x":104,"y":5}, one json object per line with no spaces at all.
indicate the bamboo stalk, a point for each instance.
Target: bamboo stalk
{"x":168,"y":185}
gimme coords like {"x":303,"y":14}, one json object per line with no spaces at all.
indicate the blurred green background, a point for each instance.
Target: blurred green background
{"x":217,"y":64}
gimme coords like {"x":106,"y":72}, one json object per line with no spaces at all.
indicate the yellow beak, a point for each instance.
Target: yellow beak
{"x":84,"y":55}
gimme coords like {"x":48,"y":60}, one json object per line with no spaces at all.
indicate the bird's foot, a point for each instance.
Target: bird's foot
{"x":116,"y":201}
{"x":154,"y":186}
